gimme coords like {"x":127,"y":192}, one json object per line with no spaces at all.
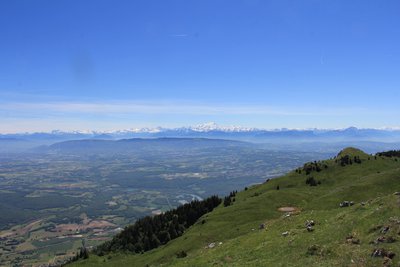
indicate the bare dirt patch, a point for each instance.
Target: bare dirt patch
{"x":95,"y":224}
{"x":288,"y":209}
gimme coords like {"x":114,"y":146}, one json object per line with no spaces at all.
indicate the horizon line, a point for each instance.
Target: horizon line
{"x":230,"y":128}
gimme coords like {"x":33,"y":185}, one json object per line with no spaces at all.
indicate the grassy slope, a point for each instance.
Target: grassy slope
{"x":373,"y":181}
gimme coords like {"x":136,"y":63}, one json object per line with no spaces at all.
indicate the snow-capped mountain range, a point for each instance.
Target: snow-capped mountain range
{"x":214,"y":130}
{"x":201,"y":128}
{"x":350,"y":136}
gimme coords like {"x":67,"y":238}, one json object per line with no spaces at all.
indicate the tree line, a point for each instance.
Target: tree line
{"x":347,"y":160}
{"x":390,"y":153}
{"x":153,"y":231}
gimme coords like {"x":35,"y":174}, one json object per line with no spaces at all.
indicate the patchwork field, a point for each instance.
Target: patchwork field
{"x":52,"y":202}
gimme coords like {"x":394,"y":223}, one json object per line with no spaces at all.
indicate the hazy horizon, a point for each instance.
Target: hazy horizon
{"x":206,"y":126}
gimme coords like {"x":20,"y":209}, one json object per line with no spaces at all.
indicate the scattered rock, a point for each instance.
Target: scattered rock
{"x":381,"y":252}
{"x":385,"y":229}
{"x":396,"y":193}
{"x":285,"y":233}
{"x":380,"y":239}
{"x":211,"y":245}
{"x":346,"y":204}
{"x":384,"y":239}
{"x":309,"y":223}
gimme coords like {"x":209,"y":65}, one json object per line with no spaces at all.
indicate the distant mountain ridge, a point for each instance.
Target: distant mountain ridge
{"x":371,"y":140}
{"x":212,"y":130}
{"x":90,"y":146}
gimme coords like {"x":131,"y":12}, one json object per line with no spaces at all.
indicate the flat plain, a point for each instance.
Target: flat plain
{"x":51,"y":202}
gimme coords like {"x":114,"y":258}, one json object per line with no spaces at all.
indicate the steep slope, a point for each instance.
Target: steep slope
{"x":341,"y":236}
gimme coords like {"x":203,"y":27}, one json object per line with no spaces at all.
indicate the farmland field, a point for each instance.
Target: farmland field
{"x":52,"y":202}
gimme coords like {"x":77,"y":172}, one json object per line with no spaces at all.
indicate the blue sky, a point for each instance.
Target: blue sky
{"x":102,"y":65}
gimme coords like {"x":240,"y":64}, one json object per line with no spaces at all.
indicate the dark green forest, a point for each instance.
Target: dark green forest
{"x":152,"y":231}
{"x":390,"y":154}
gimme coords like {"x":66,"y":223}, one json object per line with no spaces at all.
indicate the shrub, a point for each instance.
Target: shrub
{"x":181,"y":254}
{"x":312,"y":182}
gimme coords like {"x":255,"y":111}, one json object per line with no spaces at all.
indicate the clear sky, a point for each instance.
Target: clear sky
{"x":101,"y":65}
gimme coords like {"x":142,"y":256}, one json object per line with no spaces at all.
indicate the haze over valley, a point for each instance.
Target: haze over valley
{"x":54,"y":196}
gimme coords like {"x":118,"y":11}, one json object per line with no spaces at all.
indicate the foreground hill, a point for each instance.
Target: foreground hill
{"x":265,"y":226}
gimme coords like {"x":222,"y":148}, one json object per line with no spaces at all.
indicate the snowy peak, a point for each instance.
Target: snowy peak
{"x":213,"y":130}
{"x":212,"y":126}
